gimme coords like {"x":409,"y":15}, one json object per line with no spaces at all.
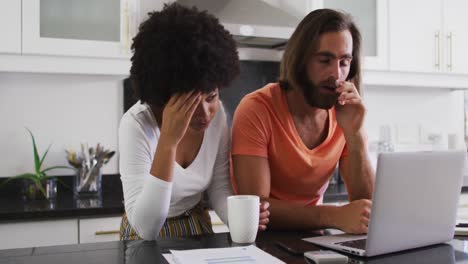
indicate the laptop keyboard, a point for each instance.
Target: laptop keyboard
{"x":359,"y":244}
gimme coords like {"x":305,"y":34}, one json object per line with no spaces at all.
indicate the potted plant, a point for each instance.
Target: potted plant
{"x":37,"y":184}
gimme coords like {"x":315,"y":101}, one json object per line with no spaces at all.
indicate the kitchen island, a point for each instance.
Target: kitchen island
{"x":151,"y":251}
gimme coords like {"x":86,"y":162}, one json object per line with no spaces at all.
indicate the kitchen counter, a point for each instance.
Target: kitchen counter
{"x":151,"y":251}
{"x":65,"y":205}
{"x":14,"y":208}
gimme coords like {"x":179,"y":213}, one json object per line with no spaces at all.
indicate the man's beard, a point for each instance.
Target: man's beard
{"x":315,"y":98}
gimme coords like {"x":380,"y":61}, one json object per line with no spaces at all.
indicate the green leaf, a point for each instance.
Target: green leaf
{"x":43,"y":157}
{"x":43,"y":176}
{"x":37,"y":163}
{"x":57,"y":167}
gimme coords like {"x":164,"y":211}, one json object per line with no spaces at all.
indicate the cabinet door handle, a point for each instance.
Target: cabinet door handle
{"x":437,"y":50}
{"x":109,"y":232}
{"x":127,"y":27}
{"x":449,"y":46}
{"x":124,"y":26}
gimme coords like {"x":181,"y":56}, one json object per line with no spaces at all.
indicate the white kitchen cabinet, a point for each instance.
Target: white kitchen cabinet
{"x":85,"y":28}
{"x":371,"y":19}
{"x":10,"y":26}
{"x":99,"y":229}
{"x":428,"y":36}
{"x":415,"y":35}
{"x":456,"y":36}
{"x":38,"y":233}
{"x":59,"y":232}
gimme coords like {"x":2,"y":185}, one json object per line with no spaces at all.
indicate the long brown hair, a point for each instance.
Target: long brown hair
{"x":305,"y":40}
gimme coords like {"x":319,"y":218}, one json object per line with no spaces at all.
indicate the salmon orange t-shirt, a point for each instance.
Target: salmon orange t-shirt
{"x":263,"y":126}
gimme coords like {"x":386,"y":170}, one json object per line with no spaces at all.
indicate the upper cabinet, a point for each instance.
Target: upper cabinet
{"x":403,"y":42}
{"x":86,"y":28}
{"x":456,"y":35}
{"x":10,"y":26}
{"x":371,"y":19}
{"x":428,"y":36}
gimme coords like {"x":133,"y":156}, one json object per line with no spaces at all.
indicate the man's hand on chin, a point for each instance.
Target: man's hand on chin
{"x":350,"y":110}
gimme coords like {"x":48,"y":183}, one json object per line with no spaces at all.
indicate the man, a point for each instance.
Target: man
{"x":288,"y":137}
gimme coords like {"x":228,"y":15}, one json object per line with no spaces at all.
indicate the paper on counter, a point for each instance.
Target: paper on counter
{"x":231,"y":255}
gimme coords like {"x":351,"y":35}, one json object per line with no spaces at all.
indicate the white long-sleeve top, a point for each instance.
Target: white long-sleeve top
{"x":150,"y":200}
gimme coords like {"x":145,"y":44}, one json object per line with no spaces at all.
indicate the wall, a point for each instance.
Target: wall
{"x":64,"y":110}
{"x":413,"y":114}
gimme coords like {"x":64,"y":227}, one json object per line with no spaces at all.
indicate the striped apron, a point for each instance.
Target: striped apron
{"x":195,"y":221}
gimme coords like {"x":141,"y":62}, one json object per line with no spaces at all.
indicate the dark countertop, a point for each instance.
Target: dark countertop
{"x":65,"y":205}
{"x":141,"y":252}
{"x":14,"y":208}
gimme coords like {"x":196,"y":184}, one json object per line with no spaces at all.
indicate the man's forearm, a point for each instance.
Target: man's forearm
{"x":285,"y":215}
{"x":360,"y":181}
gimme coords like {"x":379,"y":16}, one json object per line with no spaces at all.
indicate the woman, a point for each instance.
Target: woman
{"x":174,"y":142}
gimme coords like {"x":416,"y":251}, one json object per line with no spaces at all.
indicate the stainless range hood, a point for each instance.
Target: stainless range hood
{"x":266,"y":24}
{"x":260,"y":42}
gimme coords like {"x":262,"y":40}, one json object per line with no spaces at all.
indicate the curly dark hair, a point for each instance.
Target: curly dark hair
{"x":180,"y":49}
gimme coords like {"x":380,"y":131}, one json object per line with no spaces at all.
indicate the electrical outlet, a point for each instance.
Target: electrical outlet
{"x":428,"y":137}
{"x":422,"y":135}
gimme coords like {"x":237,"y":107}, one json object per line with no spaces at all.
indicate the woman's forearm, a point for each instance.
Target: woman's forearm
{"x":149,"y":210}
{"x":163,"y":161}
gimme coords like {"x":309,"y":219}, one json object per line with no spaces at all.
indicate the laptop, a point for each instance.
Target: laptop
{"x":414,"y":204}
{"x":437,"y":254}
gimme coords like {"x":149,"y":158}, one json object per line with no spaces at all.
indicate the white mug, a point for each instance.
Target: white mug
{"x":243,"y":217}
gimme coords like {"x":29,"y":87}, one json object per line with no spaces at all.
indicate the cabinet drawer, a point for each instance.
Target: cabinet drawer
{"x":99,"y":229}
{"x":38,"y":233}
